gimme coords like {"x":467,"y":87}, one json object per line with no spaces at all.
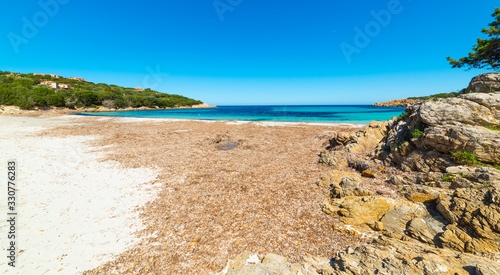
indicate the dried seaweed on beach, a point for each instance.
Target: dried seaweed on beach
{"x":260,"y":196}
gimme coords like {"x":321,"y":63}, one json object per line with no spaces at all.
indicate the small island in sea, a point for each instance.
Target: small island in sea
{"x":104,"y":179}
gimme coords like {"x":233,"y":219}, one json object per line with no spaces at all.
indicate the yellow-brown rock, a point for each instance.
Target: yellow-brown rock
{"x":359,"y":210}
{"x":334,"y":177}
{"x":422,"y":197}
{"x":369,"y":174}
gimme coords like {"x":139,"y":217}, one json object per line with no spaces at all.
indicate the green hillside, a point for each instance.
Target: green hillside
{"x":30,"y":90}
{"x":435,"y":97}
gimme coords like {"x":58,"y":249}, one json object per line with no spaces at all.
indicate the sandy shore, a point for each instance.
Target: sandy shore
{"x":121,"y":195}
{"x":75,"y":212}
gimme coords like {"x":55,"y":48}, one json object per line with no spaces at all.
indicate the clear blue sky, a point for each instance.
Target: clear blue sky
{"x":249,"y":51}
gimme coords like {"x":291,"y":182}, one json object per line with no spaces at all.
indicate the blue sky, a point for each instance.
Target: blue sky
{"x":241,"y":52}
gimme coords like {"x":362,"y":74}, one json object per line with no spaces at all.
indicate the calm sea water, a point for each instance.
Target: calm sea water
{"x":359,"y":114}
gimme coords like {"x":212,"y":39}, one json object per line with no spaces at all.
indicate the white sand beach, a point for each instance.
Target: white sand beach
{"x":74,"y":212}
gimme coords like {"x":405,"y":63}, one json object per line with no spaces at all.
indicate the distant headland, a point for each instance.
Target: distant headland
{"x":38,"y":91}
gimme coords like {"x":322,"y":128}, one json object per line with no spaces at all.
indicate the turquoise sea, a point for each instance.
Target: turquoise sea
{"x":359,"y":114}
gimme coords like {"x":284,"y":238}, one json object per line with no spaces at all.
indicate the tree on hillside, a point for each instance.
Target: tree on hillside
{"x":486,"y":53}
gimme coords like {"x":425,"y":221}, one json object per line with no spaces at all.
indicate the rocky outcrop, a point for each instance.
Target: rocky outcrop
{"x":334,"y":177}
{"x":476,"y":176}
{"x":10,"y":110}
{"x":334,"y":159}
{"x":203,"y":105}
{"x":253,"y":263}
{"x":474,"y":215}
{"x":458,"y":124}
{"x":397,"y":103}
{"x":442,"y":216}
{"x":348,"y":186}
{"x":367,"y":137}
{"x":484,"y":83}
{"x":382,"y":256}
{"x":450,"y":207}
{"x":467,"y":109}
{"x":424,"y":138}
{"x":389,"y":256}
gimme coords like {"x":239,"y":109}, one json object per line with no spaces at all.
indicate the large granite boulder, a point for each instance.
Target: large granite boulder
{"x":424,"y":139}
{"x":480,"y":141}
{"x":464,"y":124}
{"x":484,"y":83}
{"x":461,"y":110}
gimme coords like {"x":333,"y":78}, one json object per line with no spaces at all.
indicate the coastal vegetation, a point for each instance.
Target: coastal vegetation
{"x":417,"y":133}
{"x":35,"y":90}
{"x":494,"y":128}
{"x":466,"y":158}
{"x":485,"y":54}
{"x":435,"y":97}
{"x":412,"y":100}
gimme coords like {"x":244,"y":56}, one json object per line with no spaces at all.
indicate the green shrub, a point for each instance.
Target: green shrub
{"x":403,"y":116}
{"x":494,"y":128}
{"x":56,"y":100}
{"x":25,"y":104}
{"x":417,"y":133}
{"x":120,"y":102}
{"x":87,"y":98}
{"x":435,"y":97}
{"x":466,"y":158}
{"x":420,"y":125}
{"x":447,"y":178}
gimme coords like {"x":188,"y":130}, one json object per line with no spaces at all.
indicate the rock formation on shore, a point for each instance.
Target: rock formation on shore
{"x":397,"y":103}
{"x":484,"y":83}
{"x":423,"y":139}
{"x":424,"y":188}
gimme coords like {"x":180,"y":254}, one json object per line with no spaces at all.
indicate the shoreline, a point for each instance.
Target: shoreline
{"x":233,"y":122}
{"x":397,"y":103}
{"x":55,"y":112}
{"x":90,"y":112}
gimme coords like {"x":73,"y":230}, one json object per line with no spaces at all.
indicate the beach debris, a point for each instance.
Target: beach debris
{"x":227,"y":145}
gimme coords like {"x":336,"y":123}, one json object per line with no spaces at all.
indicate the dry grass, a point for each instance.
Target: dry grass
{"x":260,"y":196}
